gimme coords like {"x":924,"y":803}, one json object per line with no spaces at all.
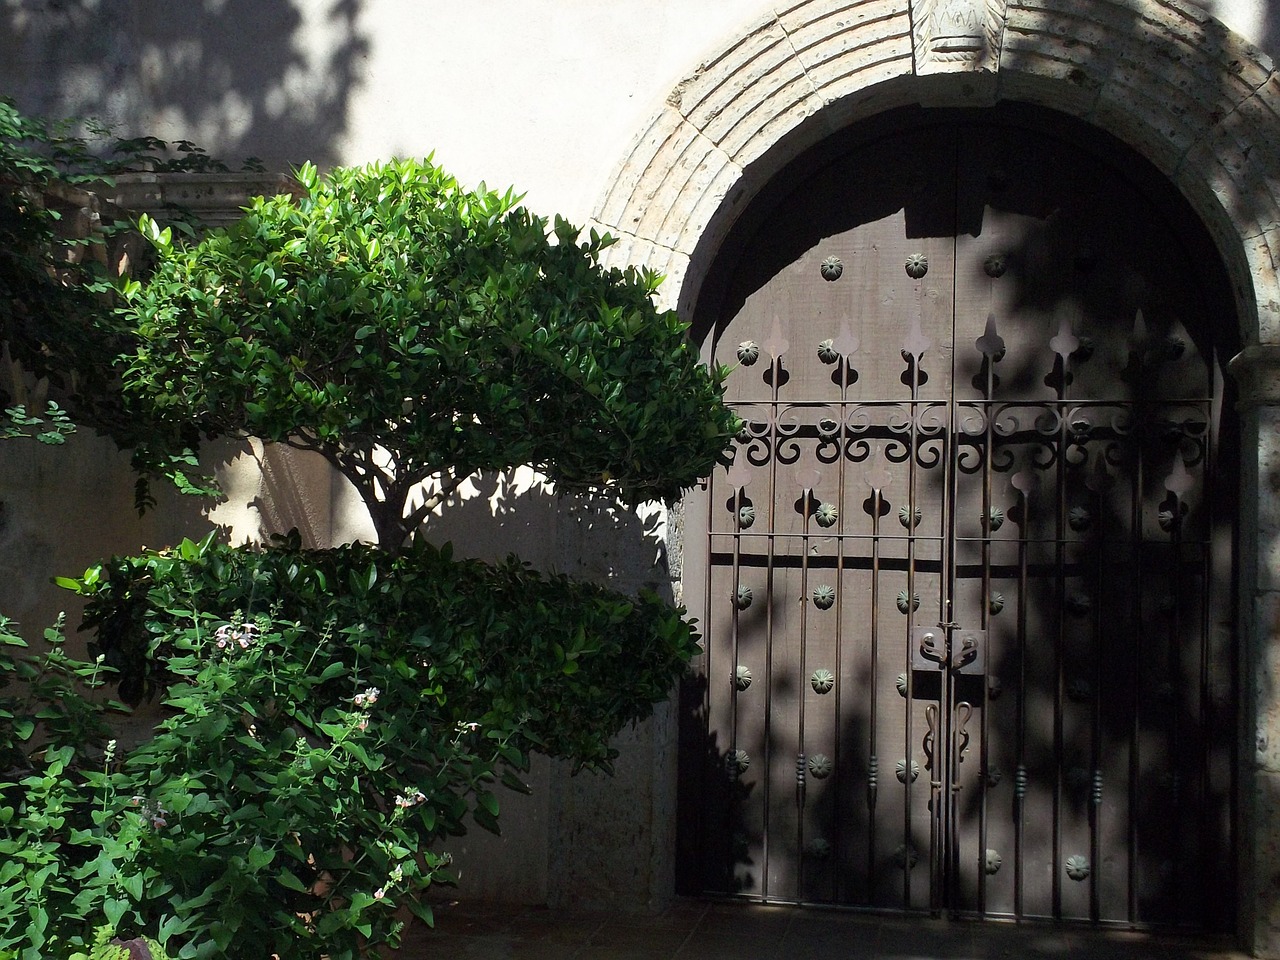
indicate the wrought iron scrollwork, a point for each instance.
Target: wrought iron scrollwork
{"x":964,"y":711}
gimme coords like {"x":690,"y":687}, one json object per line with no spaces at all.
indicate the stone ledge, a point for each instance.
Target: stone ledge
{"x":214,"y":199}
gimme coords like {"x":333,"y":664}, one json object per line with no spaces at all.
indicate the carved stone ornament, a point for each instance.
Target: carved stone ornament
{"x":957,"y":35}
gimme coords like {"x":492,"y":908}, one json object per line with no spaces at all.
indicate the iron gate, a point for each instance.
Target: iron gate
{"x":967,"y":606}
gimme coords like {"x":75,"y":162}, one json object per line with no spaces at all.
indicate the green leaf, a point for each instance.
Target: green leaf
{"x":289,"y":881}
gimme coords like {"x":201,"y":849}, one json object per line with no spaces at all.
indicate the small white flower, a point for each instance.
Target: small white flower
{"x":366,"y":698}
{"x":379,"y":893}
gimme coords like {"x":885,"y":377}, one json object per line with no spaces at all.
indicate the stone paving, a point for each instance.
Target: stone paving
{"x":694,"y":930}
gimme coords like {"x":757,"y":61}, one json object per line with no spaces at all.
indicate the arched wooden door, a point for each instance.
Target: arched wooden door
{"x":967,"y":587}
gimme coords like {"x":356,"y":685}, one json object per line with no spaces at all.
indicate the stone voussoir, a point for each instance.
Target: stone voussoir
{"x":700,"y":180}
{"x":642,"y":188}
{"x":723,"y":82}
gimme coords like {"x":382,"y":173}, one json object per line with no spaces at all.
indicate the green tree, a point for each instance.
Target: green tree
{"x":410,"y":330}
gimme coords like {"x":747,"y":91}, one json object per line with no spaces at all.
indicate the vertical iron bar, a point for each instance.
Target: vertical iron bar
{"x":1020,"y":773}
{"x":736,"y":658}
{"x":1095,"y":733}
{"x":837,"y":787}
{"x":873,"y":773}
{"x":1175,"y":701}
{"x":1135,"y":539}
{"x":948,"y":774}
{"x":805,"y":496}
{"x":913,"y":448}
{"x":985,"y":620}
{"x":1059,"y":639}
{"x":708,"y":698}
{"x":1208,"y":712}
{"x":767,"y":751}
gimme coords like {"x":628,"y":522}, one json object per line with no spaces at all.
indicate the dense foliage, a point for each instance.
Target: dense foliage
{"x":279,"y":809}
{"x":570,"y":662}
{"x":53,"y":306}
{"x":330,"y":716}
{"x":408,"y":329}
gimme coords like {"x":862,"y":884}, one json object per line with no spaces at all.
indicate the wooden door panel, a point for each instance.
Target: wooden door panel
{"x":1013,"y":438}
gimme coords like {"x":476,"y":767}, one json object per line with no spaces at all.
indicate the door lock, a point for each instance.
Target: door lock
{"x":949,"y":646}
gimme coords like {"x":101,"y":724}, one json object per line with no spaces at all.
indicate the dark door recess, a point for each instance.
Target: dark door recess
{"x":966,"y":589}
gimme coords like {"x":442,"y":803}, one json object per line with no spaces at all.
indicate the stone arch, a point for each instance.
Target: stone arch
{"x":1197,"y":100}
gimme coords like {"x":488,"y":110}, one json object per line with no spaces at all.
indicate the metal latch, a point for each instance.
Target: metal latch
{"x":947,"y":645}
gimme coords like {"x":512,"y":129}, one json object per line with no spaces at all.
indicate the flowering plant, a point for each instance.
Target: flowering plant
{"x":285,"y":804}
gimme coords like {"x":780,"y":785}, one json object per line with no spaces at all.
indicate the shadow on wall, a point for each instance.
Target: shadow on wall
{"x":268,"y":77}
{"x":64,"y":508}
{"x":590,"y":537}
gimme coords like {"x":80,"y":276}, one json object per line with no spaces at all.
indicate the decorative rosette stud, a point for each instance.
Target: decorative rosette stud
{"x":742,"y":677}
{"x":901,"y":684}
{"x":993,"y":862}
{"x":746,"y":515}
{"x":995,"y":265}
{"x":1079,"y":690}
{"x":823,"y":680}
{"x":1079,"y":604}
{"x":831,"y":268}
{"x":1077,"y":867}
{"x":826,"y":515}
{"x":906,"y":856}
{"x":824,"y":596}
{"x":742,"y":599}
{"x":995,"y":519}
{"x":820,"y":766}
{"x":900,"y":770}
{"x":827,"y":351}
{"x":819,"y":848}
{"x":916,"y":265}
{"x":737,"y":762}
{"x":909,"y":518}
{"x":907,"y":602}
{"x":1079,"y":519}
{"x":996,"y":603}
{"x":748,"y":352}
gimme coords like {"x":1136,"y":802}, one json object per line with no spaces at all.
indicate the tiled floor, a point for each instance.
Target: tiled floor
{"x":693,"y":930}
